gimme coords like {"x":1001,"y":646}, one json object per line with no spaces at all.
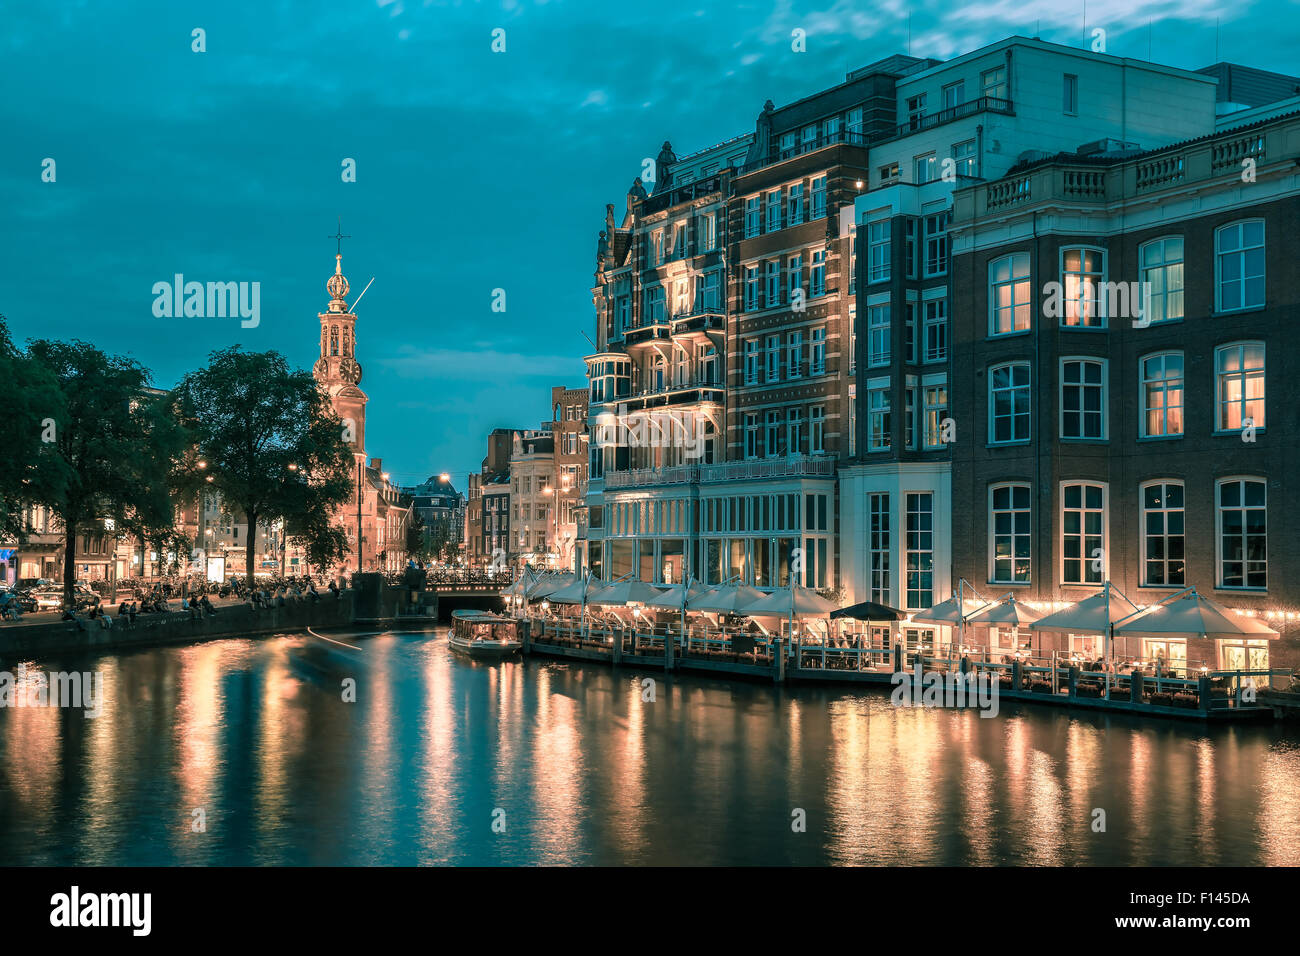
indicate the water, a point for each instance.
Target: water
{"x":257,"y":736}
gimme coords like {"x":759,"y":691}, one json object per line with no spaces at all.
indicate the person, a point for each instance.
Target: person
{"x":131,"y":612}
{"x":334,"y":587}
{"x":312,"y":592}
{"x":208,"y":609}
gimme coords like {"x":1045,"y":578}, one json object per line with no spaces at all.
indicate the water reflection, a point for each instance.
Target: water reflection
{"x":440,"y":760}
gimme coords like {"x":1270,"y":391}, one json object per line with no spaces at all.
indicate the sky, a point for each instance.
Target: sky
{"x":475,"y":170}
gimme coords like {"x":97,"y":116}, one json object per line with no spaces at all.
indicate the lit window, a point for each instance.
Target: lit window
{"x":1009,"y":294}
{"x":1082,"y":273}
{"x":1239,"y":386}
{"x":1162,"y":395}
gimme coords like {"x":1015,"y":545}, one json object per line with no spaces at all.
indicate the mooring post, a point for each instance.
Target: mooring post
{"x":778,"y":660}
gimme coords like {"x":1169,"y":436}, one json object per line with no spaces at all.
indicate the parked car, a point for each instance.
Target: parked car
{"x":48,"y":600}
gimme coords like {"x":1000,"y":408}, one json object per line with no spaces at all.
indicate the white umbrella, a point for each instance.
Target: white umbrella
{"x":791,"y":600}
{"x":951,"y":611}
{"x":1190,"y":614}
{"x":727,"y":599}
{"x":672,"y":598}
{"x":548,"y":584}
{"x":579,"y":592}
{"x":1009,"y":611}
{"x":1093,"y":615}
{"x":626,"y":592}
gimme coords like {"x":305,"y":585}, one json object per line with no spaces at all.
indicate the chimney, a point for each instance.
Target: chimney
{"x":377,"y":464}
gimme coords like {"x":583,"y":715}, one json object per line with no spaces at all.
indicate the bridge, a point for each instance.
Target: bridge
{"x":464,"y":582}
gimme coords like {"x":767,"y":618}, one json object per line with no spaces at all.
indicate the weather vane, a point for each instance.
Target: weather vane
{"x":339,"y":236}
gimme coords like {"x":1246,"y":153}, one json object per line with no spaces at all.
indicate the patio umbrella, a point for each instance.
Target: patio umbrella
{"x":1009,"y":611}
{"x":869,"y":611}
{"x":672,"y":598}
{"x":1095,"y":615}
{"x":548,"y":584}
{"x":579,"y":592}
{"x":791,"y":600}
{"x":1191,"y":614}
{"x":949,"y":611}
{"x":625,"y":592}
{"x":727,"y":599}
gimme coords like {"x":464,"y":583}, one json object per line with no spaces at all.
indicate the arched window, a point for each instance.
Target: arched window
{"x":347,"y":341}
{"x":334,"y":340}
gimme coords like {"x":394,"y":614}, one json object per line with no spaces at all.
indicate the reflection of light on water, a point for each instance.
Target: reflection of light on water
{"x":280,"y":736}
{"x":556,"y":803}
{"x":375,"y":698}
{"x":626,"y":770}
{"x":848,"y":798}
{"x":196,"y":741}
{"x":1276,"y":776}
{"x":106,"y":737}
{"x":1085,"y":767}
{"x":440,"y":758}
{"x":1136,"y":803}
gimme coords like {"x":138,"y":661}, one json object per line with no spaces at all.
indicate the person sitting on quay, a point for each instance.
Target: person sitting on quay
{"x":312,"y":593}
{"x":208,"y":609}
{"x":334,"y":588}
{"x":279,"y":598}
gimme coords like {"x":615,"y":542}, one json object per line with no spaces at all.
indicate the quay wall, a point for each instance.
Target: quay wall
{"x":174,"y":627}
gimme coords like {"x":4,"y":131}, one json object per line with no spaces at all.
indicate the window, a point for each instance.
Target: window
{"x":1009,"y":534}
{"x":817,"y":280}
{"x":1239,"y":374}
{"x":954,"y":94}
{"x":963,"y":155}
{"x":853,"y":120}
{"x":878,"y":335}
{"x":794,"y":431}
{"x":773,"y":358}
{"x":774,"y":210}
{"x":853,"y":419}
{"x":707,"y":232}
{"x":920,"y":549}
{"x":1162,"y":279}
{"x":1162,"y":535}
{"x":909,"y":331}
{"x":751,"y":361}
{"x":853,"y":259}
{"x":708,"y":294}
{"x":787,"y":145}
{"x":1162,"y":395}
{"x":753,"y":220}
{"x":1009,"y":294}
{"x":794,"y":267}
{"x":878,"y":251}
{"x":879,"y":545}
{"x":654,"y":305}
{"x":753,"y":289}
{"x":772,"y":433}
{"x":1082,"y":272}
{"x":1070,"y":95}
{"x":1239,"y":266}
{"x":818,"y":362}
{"x":910,"y":227}
{"x":1009,"y":403}
{"x":935,"y":398}
{"x":925,"y":166}
{"x":1083,"y":399}
{"x":809,"y":137}
{"x":817,"y":430}
{"x":889,"y":173}
{"x":794,"y":212}
{"x":915,"y":110}
{"x":909,"y":414}
{"x":657,"y":247}
{"x":794,"y":355}
{"x":994,"y":83}
{"x":853,"y":338}
{"x":819,"y":197}
{"x":679,"y":241}
{"x":1243,"y":533}
{"x":1083,"y":533}
{"x":831,"y":130}
{"x":751,"y":434}
{"x":773,"y":283}
{"x":878,"y":419}
{"x":936,"y":330}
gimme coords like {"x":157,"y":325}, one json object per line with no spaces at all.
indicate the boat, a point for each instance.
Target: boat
{"x":481,"y":634}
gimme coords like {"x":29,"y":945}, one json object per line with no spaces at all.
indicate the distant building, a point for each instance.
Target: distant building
{"x":434,"y":502}
{"x":533,"y":498}
{"x":487,"y":510}
{"x":569,"y":428}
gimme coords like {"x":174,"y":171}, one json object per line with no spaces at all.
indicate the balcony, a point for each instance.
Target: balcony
{"x":793,"y":466}
{"x":681,"y":393}
{"x":982,"y":104}
{"x":841,"y":138}
{"x":698,"y":322}
{"x":1094,"y":181}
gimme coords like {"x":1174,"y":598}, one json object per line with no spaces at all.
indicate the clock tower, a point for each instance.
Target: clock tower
{"x":337,"y":369}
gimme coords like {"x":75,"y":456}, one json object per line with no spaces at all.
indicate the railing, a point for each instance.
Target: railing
{"x":1161,"y":171}
{"x":843,"y":137}
{"x":792,"y":466}
{"x":1007,"y":192}
{"x":982,"y":104}
{"x":1229,"y":155}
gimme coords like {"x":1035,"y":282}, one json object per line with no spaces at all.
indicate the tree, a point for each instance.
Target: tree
{"x":33,"y":408}
{"x":324,"y":544}
{"x":109,"y":465}
{"x":272,"y":445}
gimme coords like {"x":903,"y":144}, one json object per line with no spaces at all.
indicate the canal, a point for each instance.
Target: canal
{"x":245,"y":752}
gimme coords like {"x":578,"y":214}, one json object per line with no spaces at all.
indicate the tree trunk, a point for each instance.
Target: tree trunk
{"x":69,"y":563}
{"x":250,"y":548}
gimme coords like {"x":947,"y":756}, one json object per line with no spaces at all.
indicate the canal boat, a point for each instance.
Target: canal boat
{"x":481,"y":634}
